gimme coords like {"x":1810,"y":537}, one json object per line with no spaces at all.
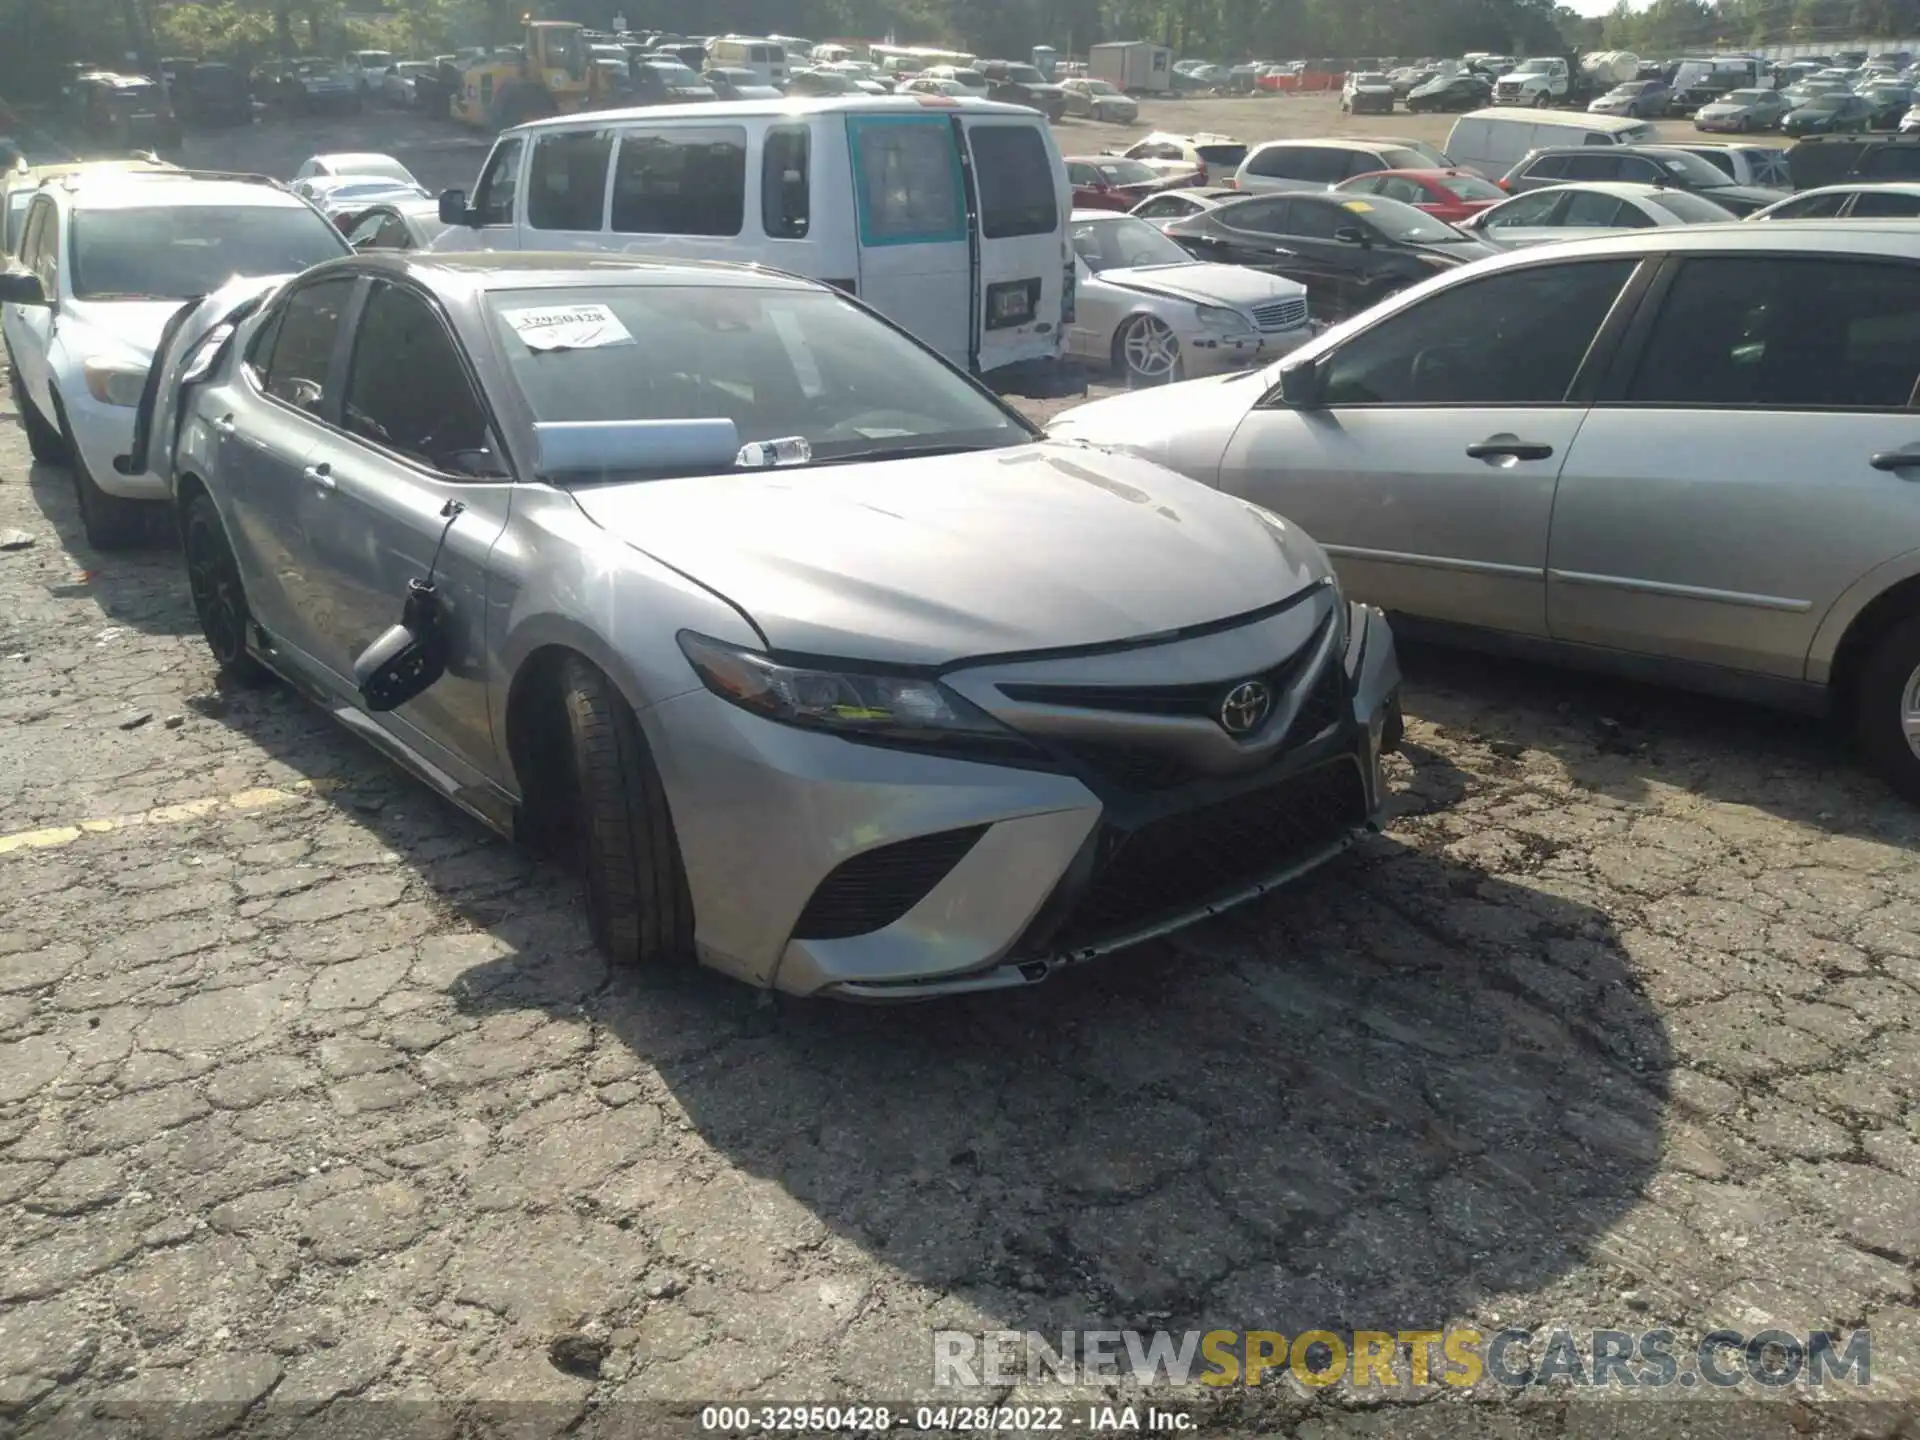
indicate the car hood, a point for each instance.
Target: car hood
{"x":1205,"y":284}
{"x":926,"y":562}
{"x":128,"y":327}
{"x":1720,"y":108}
{"x":1435,"y":87}
{"x":1464,"y":251}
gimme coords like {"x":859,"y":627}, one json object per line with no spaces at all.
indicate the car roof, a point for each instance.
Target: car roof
{"x":1419,"y":172}
{"x":1621,"y":189}
{"x":34,"y":175}
{"x":1571,"y":119}
{"x":1854,"y":187}
{"x":1325,"y":144}
{"x":1894,"y":239}
{"x":479,"y":271}
{"x":787,"y":107}
{"x":139,"y":189}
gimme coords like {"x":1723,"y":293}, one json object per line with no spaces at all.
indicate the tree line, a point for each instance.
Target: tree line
{"x":46,"y":35}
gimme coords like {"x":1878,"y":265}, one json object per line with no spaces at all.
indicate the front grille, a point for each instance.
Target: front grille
{"x":1281,"y":315}
{"x":1322,"y":709}
{"x":1175,"y":865}
{"x":876,"y":887}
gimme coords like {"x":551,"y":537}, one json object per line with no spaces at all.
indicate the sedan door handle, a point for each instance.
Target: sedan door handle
{"x":1895,"y":461}
{"x":225,"y":425}
{"x":322,"y":475}
{"x":1501,"y":447}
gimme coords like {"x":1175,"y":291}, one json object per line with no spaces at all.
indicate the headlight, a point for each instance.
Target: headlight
{"x":115,"y":382}
{"x":1215,"y":317}
{"x":857,"y":705}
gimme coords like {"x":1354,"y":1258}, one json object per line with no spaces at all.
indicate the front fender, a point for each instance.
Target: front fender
{"x":1847,"y":609}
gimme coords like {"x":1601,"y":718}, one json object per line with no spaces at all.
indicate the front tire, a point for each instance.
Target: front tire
{"x":42,"y":439}
{"x":637,"y":898}
{"x":219,"y":595}
{"x":1887,"y":708}
{"x":1540,"y":101}
{"x":111,"y":522}
{"x":1147,"y":352}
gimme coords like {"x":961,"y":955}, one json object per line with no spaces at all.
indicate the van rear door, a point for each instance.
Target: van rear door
{"x":910,"y":209}
{"x":1020,"y":201}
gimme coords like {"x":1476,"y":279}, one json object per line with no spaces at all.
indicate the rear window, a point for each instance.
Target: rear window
{"x":1312,"y":163}
{"x":1403,"y":160}
{"x":906,"y":182}
{"x":1015,"y":176}
{"x":1692,"y":209}
{"x":1471,"y":187}
{"x":1220,"y":155}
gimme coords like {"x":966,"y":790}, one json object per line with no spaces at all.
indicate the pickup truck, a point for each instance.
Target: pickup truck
{"x":1561,"y":80}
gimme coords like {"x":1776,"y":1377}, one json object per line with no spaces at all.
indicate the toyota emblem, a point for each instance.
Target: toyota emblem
{"x":1245,"y":707}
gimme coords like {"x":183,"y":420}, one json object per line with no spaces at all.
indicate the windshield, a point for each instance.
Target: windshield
{"x":1124,"y":241}
{"x":781,"y":364}
{"x":673,"y":73}
{"x":374,"y":59}
{"x":1691,"y":209}
{"x":1098,"y":87}
{"x":1399,"y":221}
{"x":1534,"y":67}
{"x":1744,"y":97}
{"x":181,"y":252}
{"x":567,"y":51}
{"x":1825,"y":102}
{"x":1472,"y":187}
{"x":1025,"y":75}
{"x":972,"y":79}
{"x":1370,"y":79}
{"x":1126,"y":172}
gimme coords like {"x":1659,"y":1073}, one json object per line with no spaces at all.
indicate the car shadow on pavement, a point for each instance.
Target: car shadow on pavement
{"x":1630,"y":741}
{"x":1398,"y":1090}
{"x":144,"y":586}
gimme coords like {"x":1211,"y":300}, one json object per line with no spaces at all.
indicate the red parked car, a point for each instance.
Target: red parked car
{"x":1112,"y":182}
{"x":1449,"y":195}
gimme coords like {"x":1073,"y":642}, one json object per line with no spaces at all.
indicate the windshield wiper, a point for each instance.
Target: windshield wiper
{"x":901,"y":452}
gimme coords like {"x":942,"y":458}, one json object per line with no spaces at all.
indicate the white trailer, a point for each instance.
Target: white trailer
{"x":1138,"y":67}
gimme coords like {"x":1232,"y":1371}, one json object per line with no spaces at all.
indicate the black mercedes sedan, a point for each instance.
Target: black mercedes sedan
{"x":1450,"y":92}
{"x":1348,"y":250}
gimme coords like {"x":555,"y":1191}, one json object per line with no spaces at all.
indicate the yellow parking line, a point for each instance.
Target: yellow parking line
{"x":263,"y":798}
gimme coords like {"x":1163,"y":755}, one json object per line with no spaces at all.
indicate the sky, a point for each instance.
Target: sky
{"x":1591,"y":7}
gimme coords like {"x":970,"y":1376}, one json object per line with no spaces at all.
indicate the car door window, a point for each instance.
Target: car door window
{"x":1260,"y":217}
{"x":1591,"y":167}
{"x":46,"y":255}
{"x":1885,"y":205}
{"x":1811,"y":207}
{"x":1591,"y":209}
{"x":407,"y":390}
{"x":1079,"y":174}
{"x":500,"y":185}
{"x":1547,"y":167}
{"x":1312,"y":220}
{"x":1367,"y":185}
{"x":1892,"y":162}
{"x":1404,"y":190}
{"x":567,"y":180}
{"x":1526,"y":211}
{"x":1516,"y":338}
{"x":293,"y":354}
{"x":364,"y":234}
{"x":394,"y":235}
{"x":1785,"y":333}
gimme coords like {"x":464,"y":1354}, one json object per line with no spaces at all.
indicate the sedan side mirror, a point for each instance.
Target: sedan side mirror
{"x":454,"y":209}
{"x":1303,"y":386}
{"x":21,"y":287}
{"x":1351,"y":235}
{"x":409,"y":657}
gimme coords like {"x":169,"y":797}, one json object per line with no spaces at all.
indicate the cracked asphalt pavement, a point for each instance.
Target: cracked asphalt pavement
{"x":314,"y":1095}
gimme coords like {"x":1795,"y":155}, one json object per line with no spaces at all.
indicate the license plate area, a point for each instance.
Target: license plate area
{"x":1012,"y":303}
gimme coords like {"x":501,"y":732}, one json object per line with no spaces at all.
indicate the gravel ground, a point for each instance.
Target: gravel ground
{"x":317,"y":1107}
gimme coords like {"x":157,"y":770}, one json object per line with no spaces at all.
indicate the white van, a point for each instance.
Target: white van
{"x":1493,"y":141}
{"x":946,"y":215}
{"x":765,"y":58}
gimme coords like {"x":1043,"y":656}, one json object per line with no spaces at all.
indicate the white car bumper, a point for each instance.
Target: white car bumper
{"x":100,"y":432}
{"x":1209,"y":354}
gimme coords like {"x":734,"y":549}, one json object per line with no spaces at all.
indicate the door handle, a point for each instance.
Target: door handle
{"x":1507,"y":448}
{"x":322,"y":475}
{"x":1894,"y":461}
{"x":225,"y":425}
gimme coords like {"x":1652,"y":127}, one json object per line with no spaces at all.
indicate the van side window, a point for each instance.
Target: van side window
{"x":1014,"y":176}
{"x":567,"y":180}
{"x":681,"y":182}
{"x":907,"y":181}
{"x":784,"y":195}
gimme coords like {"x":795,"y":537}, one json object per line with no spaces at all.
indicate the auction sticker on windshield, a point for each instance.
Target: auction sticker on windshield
{"x":1359,"y":207}
{"x":568,"y":327}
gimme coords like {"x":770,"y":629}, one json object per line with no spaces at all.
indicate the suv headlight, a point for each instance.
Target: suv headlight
{"x":115,"y":382}
{"x":854,"y":704}
{"x":1216,"y":317}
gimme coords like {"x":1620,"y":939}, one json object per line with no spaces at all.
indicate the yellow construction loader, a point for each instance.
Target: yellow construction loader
{"x":549,"y":73}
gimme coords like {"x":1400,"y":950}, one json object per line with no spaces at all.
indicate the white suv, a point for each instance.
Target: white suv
{"x":104,"y":262}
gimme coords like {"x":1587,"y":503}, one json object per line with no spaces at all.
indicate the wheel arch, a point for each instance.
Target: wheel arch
{"x":1895,"y":602}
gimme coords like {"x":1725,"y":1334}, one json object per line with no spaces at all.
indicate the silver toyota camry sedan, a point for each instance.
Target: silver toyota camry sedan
{"x":821,"y":662}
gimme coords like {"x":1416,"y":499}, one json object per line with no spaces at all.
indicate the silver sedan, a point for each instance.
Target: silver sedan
{"x":819,"y":661}
{"x":1153,"y":313}
{"x":1590,"y":208}
{"x":1687,"y":453}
